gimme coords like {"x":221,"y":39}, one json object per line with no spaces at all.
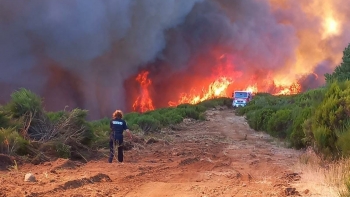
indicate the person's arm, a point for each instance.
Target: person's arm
{"x":127,"y":130}
{"x":129,"y":133}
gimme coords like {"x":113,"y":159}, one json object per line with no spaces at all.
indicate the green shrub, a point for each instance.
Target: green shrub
{"x":284,"y":116}
{"x":341,"y":72}
{"x":24,"y":102}
{"x":216,"y":102}
{"x":343,"y":144}
{"x":258,"y":119}
{"x":56,"y":116}
{"x":148,"y":124}
{"x":11,"y":142}
{"x":330,"y":117}
{"x":279,"y":124}
{"x":4,"y":120}
{"x":297,"y":136}
{"x":63,"y":150}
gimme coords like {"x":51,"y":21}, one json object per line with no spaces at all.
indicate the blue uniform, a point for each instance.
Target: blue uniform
{"x":118,"y":126}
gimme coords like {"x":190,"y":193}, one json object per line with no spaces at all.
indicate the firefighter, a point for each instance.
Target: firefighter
{"x":118,"y":126}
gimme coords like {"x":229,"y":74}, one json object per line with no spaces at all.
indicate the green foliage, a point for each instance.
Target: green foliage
{"x":73,"y":125}
{"x":148,"y":124}
{"x":5,"y":121}
{"x":341,"y":72}
{"x":297,"y":136}
{"x":283,"y":116}
{"x":280,"y":123}
{"x":216,"y":102}
{"x":343,"y":140}
{"x":257,"y":119}
{"x":24,"y":102}
{"x":330,"y":117}
{"x":11,"y":142}
{"x":63,"y":150}
{"x":54,"y":117}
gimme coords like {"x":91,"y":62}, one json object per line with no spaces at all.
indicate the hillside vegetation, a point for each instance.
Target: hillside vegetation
{"x":319,"y":118}
{"x":27,"y":130}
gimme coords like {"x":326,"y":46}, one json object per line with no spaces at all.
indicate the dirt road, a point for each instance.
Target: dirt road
{"x":218,"y":157}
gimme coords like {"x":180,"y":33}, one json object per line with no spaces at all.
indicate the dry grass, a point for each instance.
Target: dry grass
{"x":323,"y":178}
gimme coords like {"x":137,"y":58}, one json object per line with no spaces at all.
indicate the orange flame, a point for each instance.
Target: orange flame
{"x":295,"y":88}
{"x":143,"y":102}
{"x":215,"y":89}
{"x":252,"y":88}
{"x":220,"y":84}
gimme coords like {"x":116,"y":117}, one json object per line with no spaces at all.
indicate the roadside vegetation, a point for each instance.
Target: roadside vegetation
{"x":318,"y":118}
{"x":28,"y":131}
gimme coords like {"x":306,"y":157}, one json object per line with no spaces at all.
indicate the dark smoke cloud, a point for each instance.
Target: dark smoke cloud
{"x":316,"y":78}
{"x":86,"y":53}
{"x":95,"y":45}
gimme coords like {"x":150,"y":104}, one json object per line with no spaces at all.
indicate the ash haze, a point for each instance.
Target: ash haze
{"x":86,"y":53}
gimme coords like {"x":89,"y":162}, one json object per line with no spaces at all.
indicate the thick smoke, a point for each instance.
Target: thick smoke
{"x":80,"y":51}
{"x":86,"y":53}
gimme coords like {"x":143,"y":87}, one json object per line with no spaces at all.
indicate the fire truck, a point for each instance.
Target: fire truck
{"x":241,"y":98}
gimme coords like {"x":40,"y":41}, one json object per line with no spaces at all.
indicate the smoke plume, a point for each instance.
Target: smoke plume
{"x":87,"y":53}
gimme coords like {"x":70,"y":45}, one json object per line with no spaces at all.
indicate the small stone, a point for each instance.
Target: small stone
{"x":306,"y":191}
{"x":29,"y":177}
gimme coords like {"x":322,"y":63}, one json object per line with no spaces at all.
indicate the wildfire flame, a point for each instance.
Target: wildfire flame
{"x":252,"y":89}
{"x":295,"y":88}
{"x":220,"y":84}
{"x":143,"y":102}
{"x":214,"y":90}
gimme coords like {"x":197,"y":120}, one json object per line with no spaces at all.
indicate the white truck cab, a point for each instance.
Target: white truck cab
{"x":241,"y":98}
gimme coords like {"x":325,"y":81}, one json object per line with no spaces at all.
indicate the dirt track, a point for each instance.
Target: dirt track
{"x":218,"y":157}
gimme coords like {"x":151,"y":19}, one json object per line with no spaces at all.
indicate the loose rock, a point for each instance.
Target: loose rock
{"x":29,"y":177}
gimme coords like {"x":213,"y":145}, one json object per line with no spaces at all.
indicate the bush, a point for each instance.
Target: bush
{"x":330,"y":117}
{"x":148,"y":124}
{"x":216,"y":102}
{"x":343,"y":144}
{"x":279,"y":124}
{"x":341,"y":72}
{"x":298,"y":136}
{"x":258,"y":119}
{"x":284,"y":116}
{"x":72,"y":125}
{"x":4,"y":120}
{"x":63,"y":150}
{"x":24,"y":102}
{"x":11,"y":142}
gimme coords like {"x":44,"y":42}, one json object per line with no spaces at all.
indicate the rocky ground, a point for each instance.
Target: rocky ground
{"x":218,"y":157}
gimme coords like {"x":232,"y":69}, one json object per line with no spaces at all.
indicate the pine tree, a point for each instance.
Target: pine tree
{"x":341,"y":72}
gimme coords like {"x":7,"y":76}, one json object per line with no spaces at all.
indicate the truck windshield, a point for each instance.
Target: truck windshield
{"x":241,"y":95}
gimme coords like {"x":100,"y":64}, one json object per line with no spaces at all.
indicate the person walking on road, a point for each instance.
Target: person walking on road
{"x":118,"y":126}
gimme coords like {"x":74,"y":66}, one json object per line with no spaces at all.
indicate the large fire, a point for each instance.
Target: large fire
{"x":221,"y":85}
{"x":143,"y":102}
{"x":215,"y":89}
